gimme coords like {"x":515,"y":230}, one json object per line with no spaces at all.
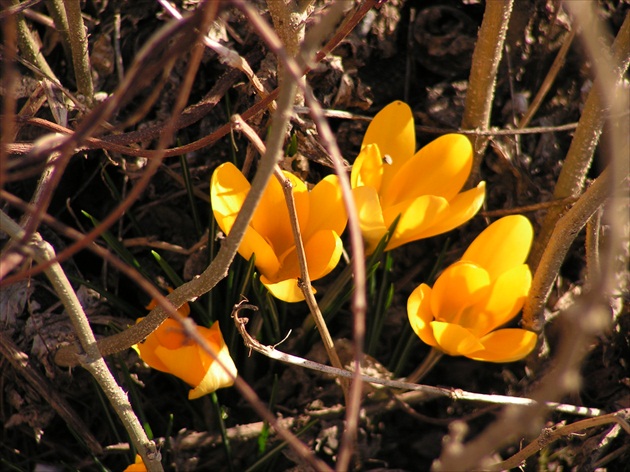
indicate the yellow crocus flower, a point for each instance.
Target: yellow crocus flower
{"x":390,"y":179}
{"x":476,"y":295}
{"x":321,"y":216}
{"x":169,"y":350}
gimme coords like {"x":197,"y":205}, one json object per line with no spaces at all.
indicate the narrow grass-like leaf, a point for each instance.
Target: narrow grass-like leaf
{"x":341,"y":291}
{"x":382,"y":304}
{"x":226,"y":441}
{"x":115,"y":301}
{"x":118,"y":197}
{"x":272,"y":453}
{"x":263,"y":437}
{"x":115,"y":244}
{"x":191,"y":194}
{"x":176,"y":281}
{"x":272,"y":315}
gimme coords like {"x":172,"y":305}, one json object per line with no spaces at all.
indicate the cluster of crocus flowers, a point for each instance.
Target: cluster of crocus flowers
{"x":391,"y":180}
{"x":169,"y":350}
{"x":321,"y":216}
{"x":469,"y":302}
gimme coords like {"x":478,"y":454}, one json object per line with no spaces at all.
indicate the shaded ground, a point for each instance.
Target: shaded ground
{"x":388,"y":57}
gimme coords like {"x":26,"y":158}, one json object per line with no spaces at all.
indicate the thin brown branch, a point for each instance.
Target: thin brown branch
{"x":483,"y":76}
{"x":550,"y":435}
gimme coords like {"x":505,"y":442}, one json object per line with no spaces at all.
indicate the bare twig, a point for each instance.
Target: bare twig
{"x":550,"y":435}
{"x":591,"y":313}
{"x":549,"y":79}
{"x":228,"y":56}
{"x":305,"y":281}
{"x":92,"y":360}
{"x":483,"y":76}
{"x":580,"y":155}
{"x":426,"y":392}
{"x":79,"y":47}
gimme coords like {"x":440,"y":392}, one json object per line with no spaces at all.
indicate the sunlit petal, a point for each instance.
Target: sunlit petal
{"x":183,"y":362}
{"x":459,"y":286}
{"x":370,"y":216}
{"x":415,"y":216}
{"x":271,"y":218}
{"x":506,"y":298}
{"x":137,"y":466}
{"x":266,"y":259}
{"x":228,"y":189}
{"x":502,"y":245}
{"x":461,"y":209}
{"x":393,"y":130}
{"x":419,"y":313}
{"x":323,"y":251}
{"x":216,"y":376}
{"x":440,"y":168}
{"x":455,"y":340}
{"x":146,"y":349}
{"x":285,"y":290}
{"x":327,"y":208}
{"x":367,"y":169}
{"x":505,"y":345}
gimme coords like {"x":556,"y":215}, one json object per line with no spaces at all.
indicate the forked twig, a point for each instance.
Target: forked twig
{"x":304,"y":282}
{"x":427,"y":392}
{"x":550,"y":435}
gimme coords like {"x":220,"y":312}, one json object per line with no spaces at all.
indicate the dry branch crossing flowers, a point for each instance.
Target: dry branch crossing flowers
{"x":169,"y":350}
{"x":389,"y":180}
{"x":478,"y":294}
{"x":321,"y":216}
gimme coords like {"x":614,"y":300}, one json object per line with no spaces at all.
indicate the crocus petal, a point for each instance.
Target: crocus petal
{"x":419,"y":313}
{"x":228,"y":189}
{"x":285,"y":290}
{"x":455,"y":340}
{"x":183,"y":362}
{"x":146,"y":349}
{"x":327,"y":208}
{"x":137,"y":466}
{"x":393,"y":130}
{"x":505,"y":345}
{"x":415,"y":216}
{"x":505,"y":300}
{"x":367,"y":169}
{"x":502,"y":245}
{"x":266,"y":259}
{"x":271,"y":218}
{"x":461,"y":209}
{"x":370,"y":215}
{"x":322,"y":250}
{"x":216,"y":376}
{"x":461,"y":285}
{"x":440,"y":168}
